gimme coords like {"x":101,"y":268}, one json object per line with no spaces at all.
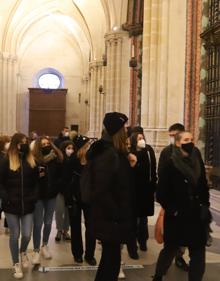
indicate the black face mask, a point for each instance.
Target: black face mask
{"x":188,"y":147}
{"x":24,"y":148}
{"x":46,"y":149}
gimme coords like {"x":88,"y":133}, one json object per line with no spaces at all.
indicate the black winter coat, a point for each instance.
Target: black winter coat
{"x":18,"y":190}
{"x":183,"y":224}
{"x":112,"y":216}
{"x":145,"y":181}
{"x":71,"y":180}
{"x":50,"y":184}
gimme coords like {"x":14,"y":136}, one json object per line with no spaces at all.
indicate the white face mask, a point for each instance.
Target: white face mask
{"x":7,"y":146}
{"x":69,"y":152}
{"x":66,"y":134}
{"x":172,"y":140}
{"x":141,"y":143}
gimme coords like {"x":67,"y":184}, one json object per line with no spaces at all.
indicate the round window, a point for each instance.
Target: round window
{"x":49,"y":81}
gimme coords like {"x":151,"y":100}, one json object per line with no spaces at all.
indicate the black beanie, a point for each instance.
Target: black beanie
{"x":114,"y":121}
{"x":79,"y":141}
{"x":137,"y":129}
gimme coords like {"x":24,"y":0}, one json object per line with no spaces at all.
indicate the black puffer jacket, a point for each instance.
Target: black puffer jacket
{"x":112,"y":207}
{"x":18,"y":190}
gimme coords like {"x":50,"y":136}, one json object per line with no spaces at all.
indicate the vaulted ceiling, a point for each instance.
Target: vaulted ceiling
{"x":83,"y":22}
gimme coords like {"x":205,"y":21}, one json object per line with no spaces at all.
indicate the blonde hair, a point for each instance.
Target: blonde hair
{"x":81,"y":153}
{"x":13,"y":153}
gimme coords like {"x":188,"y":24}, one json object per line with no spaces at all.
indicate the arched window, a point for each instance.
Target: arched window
{"x":49,"y":78}
{"x":49,"y":81}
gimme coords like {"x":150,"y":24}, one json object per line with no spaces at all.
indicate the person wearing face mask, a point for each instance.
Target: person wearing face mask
{"x":167,"y":151}
{"x":163,"y":159}
{"x":61,"y":211}
{"x":18,"y":192}
{"x":4,"y":145}
{"x":64,"y":135}
{"x":145,"y":187}
{"x":183,"y":193}
{"x":76,"y":207}
{"x":49,"y":158}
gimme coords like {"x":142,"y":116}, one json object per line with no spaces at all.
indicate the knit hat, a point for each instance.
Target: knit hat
{"x":114,"y":121}
{"x":79,"y":141}
{"x":137,"y":129}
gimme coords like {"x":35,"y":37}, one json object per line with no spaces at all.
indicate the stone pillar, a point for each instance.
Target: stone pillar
{"x":8,"y":93}
{"x":117,"y":72}
{"x":1,"y":93}
{"x":95,"y":69}
{"x":163,"y":68}
{"x":84,"y":123}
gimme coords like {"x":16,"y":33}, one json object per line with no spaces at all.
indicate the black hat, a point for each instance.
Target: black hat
{"x":137,"y":129}
{"x":79,"y":141}
{"x":114,"y":121}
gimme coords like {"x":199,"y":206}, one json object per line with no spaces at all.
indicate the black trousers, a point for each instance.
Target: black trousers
{"x":75,"y":217}
{"x":110,"y":262}
{"x":196,"y":264}
{"x":142,"y":235}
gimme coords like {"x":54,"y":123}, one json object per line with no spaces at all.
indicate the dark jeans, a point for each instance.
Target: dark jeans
{"x":110,"y":262}
{"x":75,"y":217}
{"x":142,"y":235}
{"x":196,"y":264}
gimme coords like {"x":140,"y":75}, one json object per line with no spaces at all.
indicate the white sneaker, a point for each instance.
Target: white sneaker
{"x":36,"y":258}
{"x":45,"y":252}
{"x":24,"y":260}
{"x":18,"y":274}
{"x":121,"y":274}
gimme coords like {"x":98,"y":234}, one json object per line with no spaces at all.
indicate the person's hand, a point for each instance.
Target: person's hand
{"x":132,"y":159}
{"x":42,"y":172}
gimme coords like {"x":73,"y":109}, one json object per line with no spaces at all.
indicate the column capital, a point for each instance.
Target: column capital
{"x":5,"y":56}
{"x":95,"y":64}
{"x":85,"y":78}
{"x":115,"y":35}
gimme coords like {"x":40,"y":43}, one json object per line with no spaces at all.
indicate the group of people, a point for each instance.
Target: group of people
{"x":37,"y":179}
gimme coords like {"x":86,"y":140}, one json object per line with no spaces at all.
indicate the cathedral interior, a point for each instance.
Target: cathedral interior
{"x":67,"y":63}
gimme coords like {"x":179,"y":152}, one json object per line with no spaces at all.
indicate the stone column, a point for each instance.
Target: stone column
{"x":84,"y":105}
{"x":117,"y":72}
{"x":8,"y":93}
{"x":1,"y":93}
{"x":163,"y":68}
{"x":95,"y":69}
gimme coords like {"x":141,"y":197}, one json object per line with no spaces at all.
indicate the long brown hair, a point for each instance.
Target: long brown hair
{"x":119,"y":140}
{"x":37,"y":150}
{"x":13,"y":152}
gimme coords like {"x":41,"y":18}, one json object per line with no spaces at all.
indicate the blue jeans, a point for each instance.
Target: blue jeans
{"x":16,"y":225}
{"x":43,"y":213}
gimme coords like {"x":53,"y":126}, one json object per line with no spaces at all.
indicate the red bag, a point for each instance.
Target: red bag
{"x":158,"y":232}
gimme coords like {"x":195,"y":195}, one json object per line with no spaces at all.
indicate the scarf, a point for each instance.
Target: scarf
{"x":49,"y":157}
{"x":188,"y":165}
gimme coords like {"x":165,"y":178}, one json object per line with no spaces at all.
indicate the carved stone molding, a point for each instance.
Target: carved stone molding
{"x":114,"y":37}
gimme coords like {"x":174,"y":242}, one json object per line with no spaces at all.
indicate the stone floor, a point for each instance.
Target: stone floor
{"x":63,"y":261}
